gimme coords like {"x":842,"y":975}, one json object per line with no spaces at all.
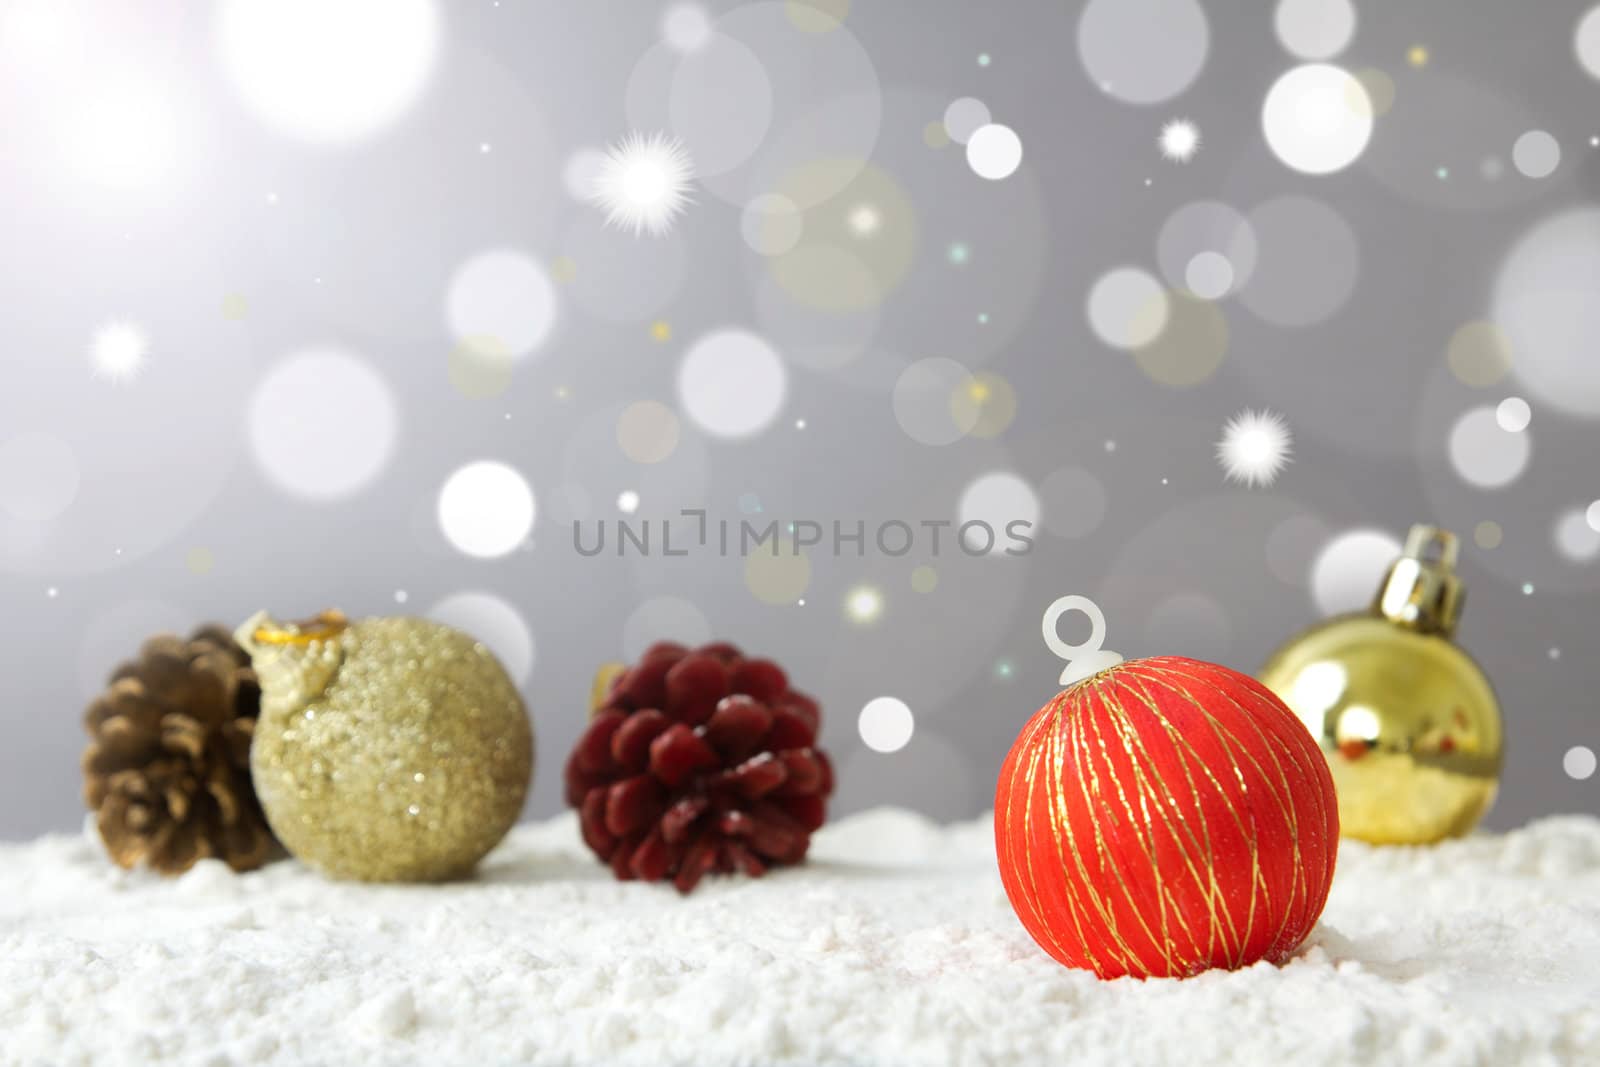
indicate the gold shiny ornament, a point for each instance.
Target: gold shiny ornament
{"x":1407,"y":720}
{"x":388,"y":750}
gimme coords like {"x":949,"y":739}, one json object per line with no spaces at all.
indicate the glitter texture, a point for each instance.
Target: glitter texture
{"x":390,"y":750}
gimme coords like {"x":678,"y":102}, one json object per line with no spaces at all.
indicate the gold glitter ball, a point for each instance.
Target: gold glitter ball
{"x":388,"y":750}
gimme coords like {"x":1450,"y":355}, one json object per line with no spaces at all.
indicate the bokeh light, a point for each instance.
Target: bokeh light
{"x":1315,"y":29}
{"x":1579,"y":760}
{"x":1513,"y":414}
{"x":778,"y":577}
{"x":1190,"y":348}
{"x":994,"y":151}
{"x":1143,"y":51}
{"x":480,"y":367}
{"x":857,"y":243}
{"x":1536,"y":154}
{"x":123,"y":133}
{"x":1127,"y":308}
{"x":986,"y":403}
{"x":1483,"y":453}
{"x":1317,"y":118}
{"x":496,"y":624}
{"x":964,"y":117}
{"x":486,"y":509}
{"x":1586,"y":41}
{"x":1574,"y":538}
{"x":647,"y":431}
{"x":732,"y":384}
{"x":886,"y":724}
{"x":504,"y":295}
{"x":1488,"y":534}
{"x":1479,"y":354}
{"x":1307,"y":264}
{"x":922,"y":401}
{"x":1544,"y":302}
{"x":322,"y":424}
{"x":863,"y":604}
{"x":924,"y":579}
{"x":686,"y":27}
{"x":328,"y":70}
{"x":1218,"y":237}
{"x":1347,"y":572}
{"x":1592,"y":515}
{"x":997,"y":500}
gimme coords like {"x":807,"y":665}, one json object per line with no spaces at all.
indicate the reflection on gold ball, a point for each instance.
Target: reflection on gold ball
{"x":1408,"y":723}
{"x":391,"y":750}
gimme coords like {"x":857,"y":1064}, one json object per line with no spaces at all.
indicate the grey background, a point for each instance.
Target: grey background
{"x":358,"y":249}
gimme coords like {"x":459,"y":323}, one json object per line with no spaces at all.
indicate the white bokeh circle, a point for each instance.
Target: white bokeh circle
{"x":964,"y":117}
{"x":1574,"y":538}
{"x":1307,"y":262}
{"x":924,"y":404}
{"x":500,"y":627}
{"x":1586,"y":41}
{"x":1346,"y":573}
{"x":732,"y":384}
{"x":328,"y":70}
{"x":1592,"y":516}
{"x":486,"y":509}
{"x":997,"y":500}
{"x":994,"y":151}
{"x":1209,"y":275}
{"x":1513,"y":414}
{"x":505,"y":295}
{"x":1579,"y":761}
{"x":1544,"y":304}
{"x":1483,"y":453}
{"x":1536,"y":154}
{"x":1143,"y":51}
{"x":1317,"y":118}
{"x":686,"y":27}
{"x":886,"y":724}
{"x":39,"y":476}
{"x":1315,"y":29}
{"x":322,"y":424}
{"x":1127,"y":308}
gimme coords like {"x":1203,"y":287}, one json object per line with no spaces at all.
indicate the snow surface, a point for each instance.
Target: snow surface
{"x":895,"y":945}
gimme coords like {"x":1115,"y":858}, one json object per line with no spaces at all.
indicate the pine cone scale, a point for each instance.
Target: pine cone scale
{"x":166,"y":770}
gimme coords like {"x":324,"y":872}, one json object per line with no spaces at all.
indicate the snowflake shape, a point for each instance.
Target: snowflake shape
{"x":644,"y":182}
{"x":118,"y":352}
{"x":1180,"y":140}
{"x":1255,"y":447}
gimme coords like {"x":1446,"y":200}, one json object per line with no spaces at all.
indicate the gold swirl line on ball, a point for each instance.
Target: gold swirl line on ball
{"x":1260,"y":892}
{"x":1088,"y":781}
{"x":1222,"y":927}
{"x":1188,"y":846}
{"x":1287,"y":807}
{"x":1031,"y":780}
{"x":1034,"y":780}
{"x":1280,"y":795}
{"x":1118,"y":717}
{"x":1065,"y":835}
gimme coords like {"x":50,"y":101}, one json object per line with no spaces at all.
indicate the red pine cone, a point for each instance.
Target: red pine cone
{"x":697,"y":762}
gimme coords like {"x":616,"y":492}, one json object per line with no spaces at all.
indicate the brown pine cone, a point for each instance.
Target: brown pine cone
{"x":167,"y":770}
{"x":697,"y":762}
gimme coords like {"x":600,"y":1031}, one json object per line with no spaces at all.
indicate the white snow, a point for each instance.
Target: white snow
{"x":895,"y":945}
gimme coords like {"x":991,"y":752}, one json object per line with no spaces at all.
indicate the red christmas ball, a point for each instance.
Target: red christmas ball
{"x":1163,"y":817}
